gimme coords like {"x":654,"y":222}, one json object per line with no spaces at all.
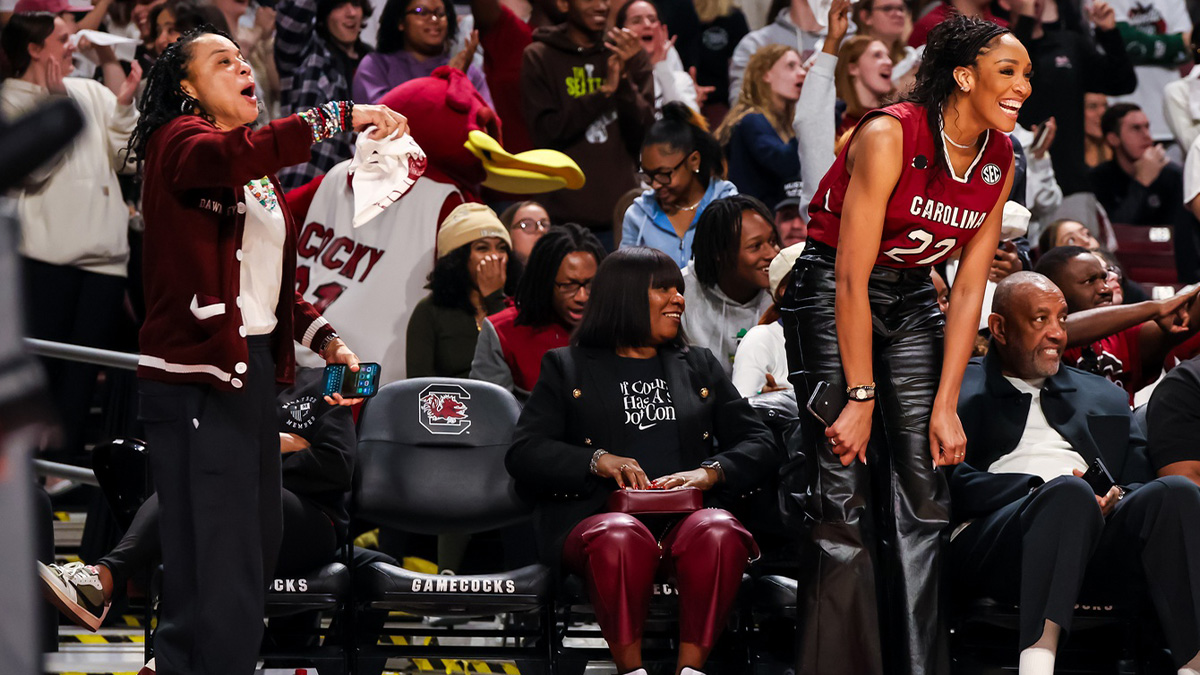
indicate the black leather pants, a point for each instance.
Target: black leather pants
{"x":873,"y":604}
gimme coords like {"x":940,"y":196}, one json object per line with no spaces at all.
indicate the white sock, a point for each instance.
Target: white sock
{"x":1038,"y":658}
{"x":1191,"y":667}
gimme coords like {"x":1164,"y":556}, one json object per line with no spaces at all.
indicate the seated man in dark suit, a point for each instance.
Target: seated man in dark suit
{"x":1029,"y":529}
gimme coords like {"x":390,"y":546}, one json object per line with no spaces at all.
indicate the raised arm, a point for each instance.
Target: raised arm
{"x":295,"y":22}
{"x":1089,"y":325}
{"x":814,"y":119}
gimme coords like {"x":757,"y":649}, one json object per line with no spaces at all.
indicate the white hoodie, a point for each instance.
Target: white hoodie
{"x":714,"y":321}
{"x":71,"y":211}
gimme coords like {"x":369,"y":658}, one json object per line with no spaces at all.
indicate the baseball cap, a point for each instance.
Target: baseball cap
{"x":791,"y":192}
{"x":781,"y":264}
{"x":466,"y":223}
{"x":52,"y":6}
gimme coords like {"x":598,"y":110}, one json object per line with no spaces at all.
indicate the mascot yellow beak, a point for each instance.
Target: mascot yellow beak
{"x":526,"y":173}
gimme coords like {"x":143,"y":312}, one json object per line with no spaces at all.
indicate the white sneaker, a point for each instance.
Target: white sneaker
{"x":639,"y":671}
{"x":688,"y":670}
{"x":75,"y":589}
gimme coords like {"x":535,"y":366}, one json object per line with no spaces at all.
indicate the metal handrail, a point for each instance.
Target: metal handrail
{"x":99,"y":357}
{"x":75,"y":473}
{"x":69,"y":352}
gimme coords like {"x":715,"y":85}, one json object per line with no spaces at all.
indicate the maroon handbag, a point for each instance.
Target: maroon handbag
{"x":636,"y":502}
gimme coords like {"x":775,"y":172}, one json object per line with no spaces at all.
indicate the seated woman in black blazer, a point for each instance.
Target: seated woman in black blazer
{"x":629,"y":405}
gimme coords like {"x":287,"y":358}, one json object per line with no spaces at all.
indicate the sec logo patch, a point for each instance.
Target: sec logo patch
{"x":991,"y":174}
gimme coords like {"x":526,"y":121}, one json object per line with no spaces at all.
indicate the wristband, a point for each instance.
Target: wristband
{"x":329,"y":119}
{"x":596,"y":458}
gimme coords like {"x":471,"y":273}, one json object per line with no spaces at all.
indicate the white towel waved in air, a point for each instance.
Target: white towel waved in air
{"x":382,"y":171}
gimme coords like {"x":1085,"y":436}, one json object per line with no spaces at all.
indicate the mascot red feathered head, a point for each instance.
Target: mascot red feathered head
{"x":442,"y":110}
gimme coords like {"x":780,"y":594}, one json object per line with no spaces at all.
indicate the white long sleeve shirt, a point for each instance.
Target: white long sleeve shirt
{"x":71,"y":211}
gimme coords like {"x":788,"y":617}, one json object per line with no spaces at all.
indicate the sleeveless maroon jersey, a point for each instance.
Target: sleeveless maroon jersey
{"x":929,"y":215}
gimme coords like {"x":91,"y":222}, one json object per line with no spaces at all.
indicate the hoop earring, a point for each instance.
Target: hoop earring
{"x":188,"y":105}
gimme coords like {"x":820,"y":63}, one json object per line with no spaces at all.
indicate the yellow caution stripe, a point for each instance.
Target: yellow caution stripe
{"x":98,"y":639}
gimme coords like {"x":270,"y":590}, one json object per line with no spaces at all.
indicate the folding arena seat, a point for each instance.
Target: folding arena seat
{"x":1147,"y":254}
{"x":431,"y":461}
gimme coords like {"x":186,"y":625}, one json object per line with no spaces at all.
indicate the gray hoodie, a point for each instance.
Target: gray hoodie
{"x":714,"y":321}
{"x":781,"y":32}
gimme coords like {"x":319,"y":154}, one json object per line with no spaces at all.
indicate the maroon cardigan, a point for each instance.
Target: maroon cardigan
{"x":194,"y":207}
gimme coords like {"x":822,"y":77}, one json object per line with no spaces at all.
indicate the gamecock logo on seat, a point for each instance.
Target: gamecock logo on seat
{"x":443,"y":409}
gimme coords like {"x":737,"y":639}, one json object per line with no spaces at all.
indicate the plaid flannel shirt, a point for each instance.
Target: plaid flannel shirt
{"x":309,"y":76}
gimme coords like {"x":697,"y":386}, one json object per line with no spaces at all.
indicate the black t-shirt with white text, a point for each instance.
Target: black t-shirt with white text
{"x":648,"y":423}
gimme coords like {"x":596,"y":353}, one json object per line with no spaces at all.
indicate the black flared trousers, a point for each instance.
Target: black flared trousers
{"x":872,"y":605}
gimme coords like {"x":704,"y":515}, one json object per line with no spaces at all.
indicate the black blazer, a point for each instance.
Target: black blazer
{"x":1088,"y":410}
{"x":566,"y":420}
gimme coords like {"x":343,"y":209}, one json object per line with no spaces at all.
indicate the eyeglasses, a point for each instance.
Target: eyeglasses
{"x":890,"y":9}
{"x":570,"y":288}
{"x":427,"y":13}
{"x":527,"y":224}
{"x":661,"y":176}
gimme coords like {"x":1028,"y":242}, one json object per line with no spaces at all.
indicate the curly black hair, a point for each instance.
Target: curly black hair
{"x":163,"y":99}
{"x":953,"y":43}
{"x":450,"y":281}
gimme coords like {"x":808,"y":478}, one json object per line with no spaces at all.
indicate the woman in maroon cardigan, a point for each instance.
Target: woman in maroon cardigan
{"x":221,"y":317}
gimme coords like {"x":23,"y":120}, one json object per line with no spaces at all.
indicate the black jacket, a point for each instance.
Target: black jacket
{"x":1091,"y":413}
{"x":566,"y":420}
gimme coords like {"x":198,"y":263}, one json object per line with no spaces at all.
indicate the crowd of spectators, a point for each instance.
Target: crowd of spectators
{"x":713,"y":120}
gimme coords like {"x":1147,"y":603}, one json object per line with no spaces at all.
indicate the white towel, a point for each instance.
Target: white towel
{"x":100,"y":39}
{"x":382,"y":172}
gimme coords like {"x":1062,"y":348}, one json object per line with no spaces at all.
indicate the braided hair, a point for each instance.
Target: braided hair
{"x":683,"y":129}
{"x":535,"y":291}
{"x":953,"y":43}
{"x":164,"y":99}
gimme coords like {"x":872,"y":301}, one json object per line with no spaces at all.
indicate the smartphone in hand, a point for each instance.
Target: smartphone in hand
{"x":826,"y":402}
{"x":1098,"y":477}
{"x":339,"y":379}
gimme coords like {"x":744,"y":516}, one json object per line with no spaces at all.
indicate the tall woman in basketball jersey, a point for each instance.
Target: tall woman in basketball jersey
{"x":918,"y":181}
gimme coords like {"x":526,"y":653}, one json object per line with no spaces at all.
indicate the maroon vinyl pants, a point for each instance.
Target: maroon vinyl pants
{"x":619,"y":559}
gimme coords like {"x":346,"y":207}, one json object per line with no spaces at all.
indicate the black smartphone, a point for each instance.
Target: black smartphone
{"x":1098,"y":477}
{"x":826,"y":402}
{"x":341,"y":380}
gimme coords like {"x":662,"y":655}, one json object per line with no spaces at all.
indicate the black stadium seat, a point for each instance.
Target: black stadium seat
{"x":321,"y":589}
{"x":397,"y":589}
{"x":431,"y":461}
